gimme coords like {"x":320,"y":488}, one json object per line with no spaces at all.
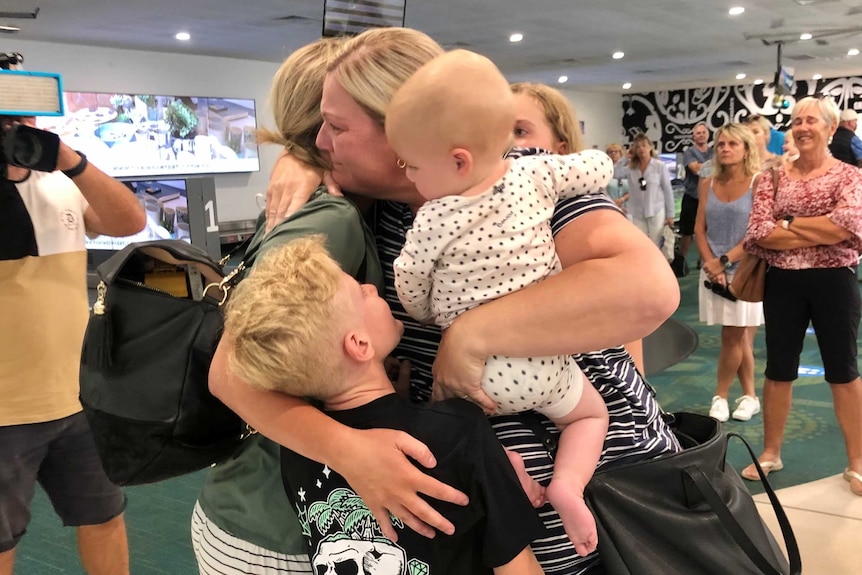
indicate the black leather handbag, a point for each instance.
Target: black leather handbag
{"x":687,"y":512}
{"x":145,"y":363}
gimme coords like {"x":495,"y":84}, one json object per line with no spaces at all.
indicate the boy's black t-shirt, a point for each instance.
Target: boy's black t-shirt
{"x":492,"y":530}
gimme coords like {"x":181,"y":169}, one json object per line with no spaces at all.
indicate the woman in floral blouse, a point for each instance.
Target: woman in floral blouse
{"x":810,"y":233}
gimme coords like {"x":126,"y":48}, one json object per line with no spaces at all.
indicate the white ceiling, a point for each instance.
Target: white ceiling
{"x":667,"y":43}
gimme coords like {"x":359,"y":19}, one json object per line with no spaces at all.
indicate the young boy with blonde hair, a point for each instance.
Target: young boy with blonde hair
{"x":304,"y":327}
{"x":485,"y":232}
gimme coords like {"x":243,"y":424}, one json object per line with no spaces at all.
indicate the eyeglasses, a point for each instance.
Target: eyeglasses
{"x":642,"y":182}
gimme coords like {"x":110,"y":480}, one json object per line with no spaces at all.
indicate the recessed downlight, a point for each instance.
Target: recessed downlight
{"x":627,"y":85}
{"x":562,"y":79}
{"x":758,"y":82}
{"x":516,"y":37}
{"x":805,"y":36}
{"x":9,"y":29}
{"x":817,"y":76}
{"x":618,"y":55}
{"x":740,"y":76}
{"x":736,"y":11}
{"x":183,"y":36}
{"x":853,"y":52}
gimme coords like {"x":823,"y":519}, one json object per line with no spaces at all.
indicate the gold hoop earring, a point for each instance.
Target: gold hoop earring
{"x":401,"y":163}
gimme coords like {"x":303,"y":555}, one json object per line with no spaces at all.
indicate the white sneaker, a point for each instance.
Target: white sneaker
{"x":746,"y":406}
{"x":719,"y":409}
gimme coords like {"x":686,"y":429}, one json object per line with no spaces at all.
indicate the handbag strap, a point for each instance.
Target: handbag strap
{"x":733,"y":527}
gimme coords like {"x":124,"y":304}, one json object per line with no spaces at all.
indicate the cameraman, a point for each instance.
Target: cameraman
{"x":44,"y":435}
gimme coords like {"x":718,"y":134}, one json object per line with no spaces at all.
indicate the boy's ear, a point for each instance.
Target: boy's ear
{"x":357,"y":345}
{"x":463,"y":160}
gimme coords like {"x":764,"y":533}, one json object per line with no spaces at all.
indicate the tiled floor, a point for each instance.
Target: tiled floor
{"x":827,"y":520}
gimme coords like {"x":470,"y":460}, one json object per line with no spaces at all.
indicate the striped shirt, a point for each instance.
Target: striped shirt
{"x":636,"y":430}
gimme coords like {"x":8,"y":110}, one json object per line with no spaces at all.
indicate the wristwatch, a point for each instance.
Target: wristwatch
{"x":785,"y":223}
{"x":725,"y":261}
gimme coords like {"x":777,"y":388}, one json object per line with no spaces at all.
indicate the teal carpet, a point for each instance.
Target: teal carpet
{"x":158,"y":516}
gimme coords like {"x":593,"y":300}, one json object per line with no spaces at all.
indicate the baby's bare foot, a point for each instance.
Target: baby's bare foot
{"x":579,"y":523}
{"x":535,"y":492}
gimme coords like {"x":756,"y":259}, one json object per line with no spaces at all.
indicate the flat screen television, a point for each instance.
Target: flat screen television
{"x":143,"y":135}
{"x":170,"y":215}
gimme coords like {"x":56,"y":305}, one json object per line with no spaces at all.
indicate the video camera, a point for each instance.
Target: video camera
{"x":25,"y":94}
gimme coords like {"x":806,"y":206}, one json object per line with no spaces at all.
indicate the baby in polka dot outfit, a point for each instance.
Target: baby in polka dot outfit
{"x":485,"y":232}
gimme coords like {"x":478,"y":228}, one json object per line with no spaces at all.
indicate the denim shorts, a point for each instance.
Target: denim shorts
{"x":62,"y":457}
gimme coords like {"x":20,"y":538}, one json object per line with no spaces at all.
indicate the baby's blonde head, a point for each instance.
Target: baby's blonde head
{"x":457,"y":100}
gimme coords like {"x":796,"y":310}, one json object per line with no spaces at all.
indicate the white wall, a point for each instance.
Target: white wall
{"x":85,"y":68}
{"x":602,"y":115}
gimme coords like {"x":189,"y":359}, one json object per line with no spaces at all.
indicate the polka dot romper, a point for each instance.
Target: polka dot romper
{"x":464,"y":251}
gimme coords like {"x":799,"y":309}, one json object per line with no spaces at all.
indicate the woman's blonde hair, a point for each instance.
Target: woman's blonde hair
{"x":287,"y":321}
{"x":374,"y":64}
{"x":751,"y":163}
{"x":613,"y":147}
{"x":294,"y":99}
{"x":826,"y":105}
{"x":634,"y":159}
{"x":559,"y":113}
{"x":758,"y":120}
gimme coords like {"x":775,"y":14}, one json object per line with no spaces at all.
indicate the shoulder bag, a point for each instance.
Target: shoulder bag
{"x":683,"y":513}
{"x":145,"y":363}
{"x":687,"y":512}
{"x":750,"y":278}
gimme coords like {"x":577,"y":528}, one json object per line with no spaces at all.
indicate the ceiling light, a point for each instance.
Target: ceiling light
{"x":853,"y":52}
{"x":563,"y":79}
{"x":740,"y":76}
{"x":9,"y":29}
{"x":619,"y":55}
{"x":627,"y":85}
{"x":816,"y":76}
{"x":758,"y":82}
{"x":183,"y":36}
{"x":805,"y":36}
{"x":736,"y":11}
{"x":516,"y":37}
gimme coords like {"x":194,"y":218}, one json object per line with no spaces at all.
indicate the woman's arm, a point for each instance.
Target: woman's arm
{"x":615,"y":287}
{"x":700,"y":221}
{"x":290,"y":186}
{"x":818,"y":230}
{"x":372,"y":461}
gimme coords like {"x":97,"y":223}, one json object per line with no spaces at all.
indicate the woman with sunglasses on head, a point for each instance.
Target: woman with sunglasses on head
{"x":651,"y":204}
{"x":809,"y":231}
{"x":723,"y":207}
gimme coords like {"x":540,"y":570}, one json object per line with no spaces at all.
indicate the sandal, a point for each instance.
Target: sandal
{"x":849,"y":476}
{"x":750,"y":472}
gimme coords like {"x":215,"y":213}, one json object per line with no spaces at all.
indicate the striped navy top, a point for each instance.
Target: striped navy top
{"x":635,"y":429}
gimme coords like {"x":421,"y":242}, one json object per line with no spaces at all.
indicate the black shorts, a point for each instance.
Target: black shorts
{"x":826,"y":297}
{"x":62,"y":457}
{"x":687,"y":215}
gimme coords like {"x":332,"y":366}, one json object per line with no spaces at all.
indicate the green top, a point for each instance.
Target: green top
{"x":245,"y":494}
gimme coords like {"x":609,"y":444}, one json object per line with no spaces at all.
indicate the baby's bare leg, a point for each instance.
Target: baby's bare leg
{"x":581,"y":441}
